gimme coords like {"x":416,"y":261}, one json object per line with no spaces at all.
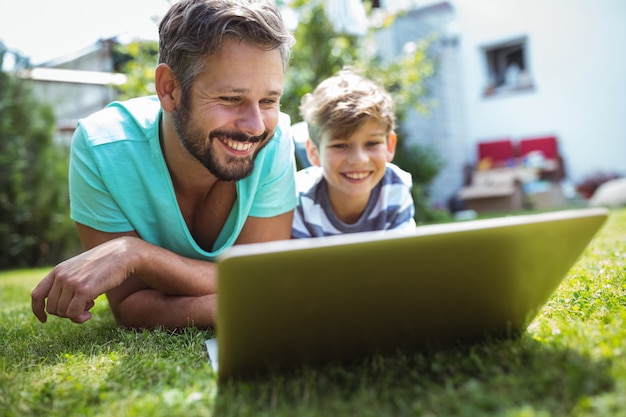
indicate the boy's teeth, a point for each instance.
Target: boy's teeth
{"x":357,"y":176}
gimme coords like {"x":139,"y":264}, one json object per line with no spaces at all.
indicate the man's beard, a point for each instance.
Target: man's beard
{"x":199,"y":146}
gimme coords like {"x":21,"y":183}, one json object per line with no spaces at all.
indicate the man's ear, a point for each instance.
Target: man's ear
{"x":391,"y":146}
{"x":166,"y":87}
{"x":312,"y":153}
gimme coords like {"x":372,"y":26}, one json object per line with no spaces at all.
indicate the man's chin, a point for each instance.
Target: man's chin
{"x":234,"y":171}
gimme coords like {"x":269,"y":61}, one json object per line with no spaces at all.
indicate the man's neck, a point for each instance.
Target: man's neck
{"x":187,"y":173}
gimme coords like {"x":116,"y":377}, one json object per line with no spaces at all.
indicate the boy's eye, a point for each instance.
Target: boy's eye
{"x":339,"y":145}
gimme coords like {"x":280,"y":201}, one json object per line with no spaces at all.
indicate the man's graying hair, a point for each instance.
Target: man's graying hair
{"x":193,"y":29}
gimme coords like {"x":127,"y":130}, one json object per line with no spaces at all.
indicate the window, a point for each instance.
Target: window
{"x":507,"y":67}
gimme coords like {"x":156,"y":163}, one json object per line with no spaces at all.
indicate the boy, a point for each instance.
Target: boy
{"x":352,"y":186}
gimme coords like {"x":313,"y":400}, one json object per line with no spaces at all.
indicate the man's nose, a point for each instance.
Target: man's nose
{"x":251,"y":120}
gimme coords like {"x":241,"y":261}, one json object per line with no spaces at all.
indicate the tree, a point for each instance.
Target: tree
{"x":138,"y":61}
{"x":34,"y":202}
{"x":320,"y":51}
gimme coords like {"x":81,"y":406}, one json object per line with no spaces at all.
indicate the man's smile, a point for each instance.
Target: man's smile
{"x":236,"y":145}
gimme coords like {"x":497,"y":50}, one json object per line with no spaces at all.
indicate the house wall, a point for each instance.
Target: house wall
{"x":74,"y":100}
{"x":578,"y":67}
{"x":442,"y":128}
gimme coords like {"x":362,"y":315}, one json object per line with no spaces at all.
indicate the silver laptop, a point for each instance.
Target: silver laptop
{"x":283,"y":305}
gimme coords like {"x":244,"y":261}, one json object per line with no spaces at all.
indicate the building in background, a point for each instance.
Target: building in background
{"x":507,"y":70}
{"x":514,"y":70}
{"x":77,"y":85}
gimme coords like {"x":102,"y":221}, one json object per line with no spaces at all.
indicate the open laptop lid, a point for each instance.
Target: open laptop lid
{"x":313,"y":301}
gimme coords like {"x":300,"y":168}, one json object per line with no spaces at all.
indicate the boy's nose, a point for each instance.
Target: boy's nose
{"x":357,"y":155}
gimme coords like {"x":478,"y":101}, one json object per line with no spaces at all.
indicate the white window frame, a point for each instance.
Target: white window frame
{"x":507,"y":67}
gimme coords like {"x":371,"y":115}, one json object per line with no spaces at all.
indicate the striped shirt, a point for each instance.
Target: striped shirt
{"x":390,"y":205}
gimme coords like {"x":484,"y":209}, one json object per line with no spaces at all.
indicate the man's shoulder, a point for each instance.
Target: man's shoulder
{"x":308,"y":178}
{"x":134,"y":119}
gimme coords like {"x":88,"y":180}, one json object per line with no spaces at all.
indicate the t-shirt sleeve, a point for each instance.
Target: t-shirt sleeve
{"x":91,"y":203}
{"x":277,"y":193}
{"x":404,"y":205}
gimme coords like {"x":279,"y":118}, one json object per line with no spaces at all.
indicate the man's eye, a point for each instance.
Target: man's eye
{"x":229,"y":99}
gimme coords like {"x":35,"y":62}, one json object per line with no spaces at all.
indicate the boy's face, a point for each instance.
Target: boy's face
{"x":354,"y":166}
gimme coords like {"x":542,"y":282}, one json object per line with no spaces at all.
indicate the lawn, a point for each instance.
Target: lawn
{"x":570,"y":362}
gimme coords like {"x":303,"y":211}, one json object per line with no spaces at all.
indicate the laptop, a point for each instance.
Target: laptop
{"x":286,"y":304}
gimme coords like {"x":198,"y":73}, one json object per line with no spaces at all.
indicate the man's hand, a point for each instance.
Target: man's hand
{"x":72,"y":286}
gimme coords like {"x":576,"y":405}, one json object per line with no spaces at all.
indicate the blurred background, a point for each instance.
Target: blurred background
{"x":502,"y":106}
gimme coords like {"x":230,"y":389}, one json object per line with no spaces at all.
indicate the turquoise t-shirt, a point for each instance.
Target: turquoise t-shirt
{"x":119,"y":180}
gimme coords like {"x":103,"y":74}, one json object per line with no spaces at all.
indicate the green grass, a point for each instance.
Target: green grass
{"x":571,"y":362}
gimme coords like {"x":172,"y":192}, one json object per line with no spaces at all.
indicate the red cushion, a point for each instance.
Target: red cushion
{"x":547,"y":145}
{"x":499,"y":151}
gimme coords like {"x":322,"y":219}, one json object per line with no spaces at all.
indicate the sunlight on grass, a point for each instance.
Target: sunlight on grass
{"x":570,"y":362}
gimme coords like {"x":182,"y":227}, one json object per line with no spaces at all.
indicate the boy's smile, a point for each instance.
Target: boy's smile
{"x":354,"y":166}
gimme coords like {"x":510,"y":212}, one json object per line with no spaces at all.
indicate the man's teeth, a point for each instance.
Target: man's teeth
{"x":238,"y":146}
{"x":357,"y":175}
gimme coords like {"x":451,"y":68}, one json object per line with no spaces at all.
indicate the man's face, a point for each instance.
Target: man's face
{"x":233,"y":109}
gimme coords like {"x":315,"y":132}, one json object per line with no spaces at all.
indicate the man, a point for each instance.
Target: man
{"x":159,"y":186}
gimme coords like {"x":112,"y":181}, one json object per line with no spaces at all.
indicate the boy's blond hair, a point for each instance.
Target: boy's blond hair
{"x":341,"y":104}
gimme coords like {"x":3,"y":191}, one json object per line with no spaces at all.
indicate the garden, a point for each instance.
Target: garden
{"x":571,"y":361}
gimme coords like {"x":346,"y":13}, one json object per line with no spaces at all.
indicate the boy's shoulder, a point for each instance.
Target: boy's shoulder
{"x":308,"y":178}
{"x":395,"y":174}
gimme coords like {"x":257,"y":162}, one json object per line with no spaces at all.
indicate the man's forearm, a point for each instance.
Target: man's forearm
{"x":171,"y":273}
{"x":150,"y":308}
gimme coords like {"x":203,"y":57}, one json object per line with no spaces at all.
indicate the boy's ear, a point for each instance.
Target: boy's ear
{"x":312,"y":153}
{"x":166,"y":87}
{"x":391,"y":146}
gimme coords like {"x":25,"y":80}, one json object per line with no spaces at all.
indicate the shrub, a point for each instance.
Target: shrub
{"x":34,"y":202}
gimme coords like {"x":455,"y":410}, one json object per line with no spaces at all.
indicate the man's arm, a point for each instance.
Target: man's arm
{"x":147,"y":286}
{"x":135,"y":305}
{"x":164,"y":289}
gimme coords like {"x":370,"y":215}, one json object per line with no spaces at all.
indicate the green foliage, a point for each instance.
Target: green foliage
{"x":570,"y":362}
{"x":319,"y":52}
{"x":34,"y":201}
{"x":138,"y":61}
{"x":424,"y":163}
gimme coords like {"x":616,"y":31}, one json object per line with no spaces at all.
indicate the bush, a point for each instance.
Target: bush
{"x":34,"y":205}
{"x":320,"y":52}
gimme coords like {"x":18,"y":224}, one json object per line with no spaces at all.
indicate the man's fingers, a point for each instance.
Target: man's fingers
{"x":86,"y":314}
{"x":39,"y":295}
{"x":78,"y":310}
{"x":50,"y":297}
